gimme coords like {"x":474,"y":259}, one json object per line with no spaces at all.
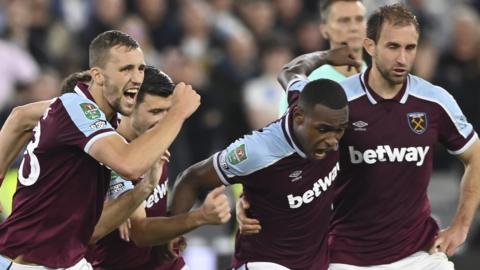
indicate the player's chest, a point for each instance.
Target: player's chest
{"x":299,"y":176}
{"x":392,"y":123}
{"x":156,"y":202}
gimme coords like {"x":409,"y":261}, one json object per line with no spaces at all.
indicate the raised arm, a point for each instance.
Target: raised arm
{"x":17,"y":131}
{"x":451,"y":238}
{"x":133,"y":159}
{"x":117,"y":210}
{"x":304,"y":64}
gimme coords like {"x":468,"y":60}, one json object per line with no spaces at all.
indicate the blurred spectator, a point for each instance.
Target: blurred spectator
{"x":288,"y":14}
{"x":104,"y":15}
{"x":225,"y":23}
{"x":262,"y":94}
{"x":228,"y":77}
{"x":46,"y":86}
{"x":195,"y":21}
{"x":18,"y":67}
{"x":136,"y":27}
{"x":459,"y":67}
{"x":259,"y":16}
{"x":307,"y":37}
{"x":162,"y":22}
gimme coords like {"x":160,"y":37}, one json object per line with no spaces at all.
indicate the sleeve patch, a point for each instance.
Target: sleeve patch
{"x":91,"y":111}
{"x":237,"y":155}
{"x":118,"y":186}
{"x":100,"y":124}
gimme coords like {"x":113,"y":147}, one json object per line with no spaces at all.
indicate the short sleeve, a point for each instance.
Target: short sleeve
{"x":251,"y":153}
{"x":89,"y":122}
{"x":294,"y":88}
{"x":118,"y":186}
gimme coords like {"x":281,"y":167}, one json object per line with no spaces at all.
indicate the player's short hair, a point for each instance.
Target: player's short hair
{"x":68,"y":84}
{"x":155,"y":83}
{"x":396,"y":14}
{"x":100,"y":46}
{"x":324,"y":92}
{"x":325,"y":6}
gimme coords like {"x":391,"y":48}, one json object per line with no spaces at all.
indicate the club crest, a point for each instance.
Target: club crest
{"x":417,"y":121}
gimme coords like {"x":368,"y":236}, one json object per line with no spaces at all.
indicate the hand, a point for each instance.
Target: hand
{"x":215,"y":208}
{"x":185,"y":100}
{"x":153,"y":175}
{"x":124,"y":230}
{"x":449,"y":240}
{"x":343,"y":56}
{"x":171,"y":250}
{"x":247,"y":226}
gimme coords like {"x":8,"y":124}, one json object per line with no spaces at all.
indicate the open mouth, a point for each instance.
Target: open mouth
{"x":399,"y":71}
{"x":318,"y":154}
{"x":130,"y":94}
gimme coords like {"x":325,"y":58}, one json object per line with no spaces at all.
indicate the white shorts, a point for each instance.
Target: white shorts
{"x":6,"y":264}
{"x":262,"y":266}
{"x":417,"y":261}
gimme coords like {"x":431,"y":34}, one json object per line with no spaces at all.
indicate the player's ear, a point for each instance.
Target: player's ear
{"x":324,"y":31}
{"x":369,"y":45}
{"x":97,"y":76}
{"x":298,"y":115}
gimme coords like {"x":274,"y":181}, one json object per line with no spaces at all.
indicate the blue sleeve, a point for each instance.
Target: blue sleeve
{"x":118,"y":186}
{"x":90,"y":122}
{"x":251,"y":153}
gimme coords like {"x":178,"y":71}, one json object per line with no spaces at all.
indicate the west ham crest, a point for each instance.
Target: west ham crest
{"x":417,"y":121}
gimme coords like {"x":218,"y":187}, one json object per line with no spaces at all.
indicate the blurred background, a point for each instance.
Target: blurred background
{"x":230,"y":51}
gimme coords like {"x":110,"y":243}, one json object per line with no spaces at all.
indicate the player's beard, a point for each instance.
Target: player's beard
{"x":387,"y":74}
{"x":116,"y":104}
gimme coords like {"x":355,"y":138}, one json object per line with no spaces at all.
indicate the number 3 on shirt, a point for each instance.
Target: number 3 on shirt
{"x":32,"y":177}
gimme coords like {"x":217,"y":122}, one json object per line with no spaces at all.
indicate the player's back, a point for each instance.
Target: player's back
{"x":61,"y":188}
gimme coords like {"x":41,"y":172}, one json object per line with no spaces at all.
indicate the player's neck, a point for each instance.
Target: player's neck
{"x":102,"y":103}
{"x":381,"y":86}
{"x":126,"y":130}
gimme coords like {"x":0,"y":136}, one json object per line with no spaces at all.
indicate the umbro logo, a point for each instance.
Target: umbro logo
{"x":296,"y":175}
{"x":360,"y":126}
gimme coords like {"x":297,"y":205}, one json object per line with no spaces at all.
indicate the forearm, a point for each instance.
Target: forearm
{"x":198,"y":178}
{"x":301,"y":66}
{"x":159,"y":230}
{"x":150,"y":147}
{"x":16,"y":132}
{"x":183,"y":203}
{"x":118,"y":210}
{"x":469,"y":199}
{"x":469,"y":188}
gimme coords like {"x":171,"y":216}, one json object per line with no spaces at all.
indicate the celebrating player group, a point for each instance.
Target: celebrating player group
{"x":338,"y":182}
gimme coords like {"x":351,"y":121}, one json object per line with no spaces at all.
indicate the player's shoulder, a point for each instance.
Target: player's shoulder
{"x":80,"y":108}
{"x":426,"y":90}
{"x":74,"y":99}
{"x":258,"y":150}
{"x":353,"y":86}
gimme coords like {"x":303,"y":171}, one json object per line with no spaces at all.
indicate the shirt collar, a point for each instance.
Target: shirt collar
{"x":82,"y":90}
{"x":287,"y":126}
{"x":374,"y":98}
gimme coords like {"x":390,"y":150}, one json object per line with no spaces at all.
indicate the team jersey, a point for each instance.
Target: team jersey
{"x":289,"y":194}
{"x":111,"y":252}
{"x":61,"y":188}
{"x":382,"y":213}
{"x":323,"y":72}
